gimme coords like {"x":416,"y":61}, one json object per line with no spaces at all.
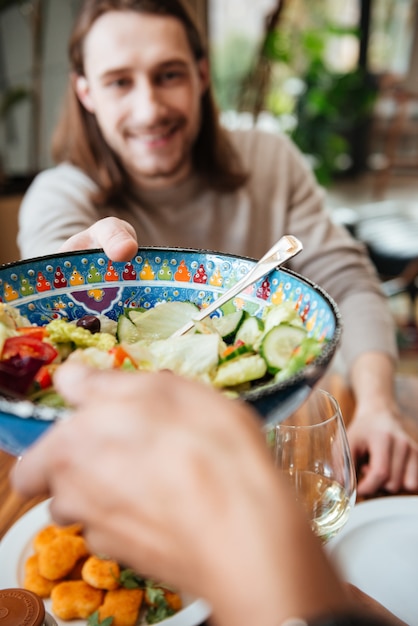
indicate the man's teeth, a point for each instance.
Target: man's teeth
{"x":157,"y":137}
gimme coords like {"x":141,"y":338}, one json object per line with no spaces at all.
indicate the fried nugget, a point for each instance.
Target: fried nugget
{"x":101,"y":573}
{"x":44,"y":536}
{"x":75,"y":573}
{"x":58,"y":557}
{"x":75,"y":599}
{"x":33,"y":581}
{"x":47,"y":534}
{"x":123,"y":605}
{"x":173,"y":599}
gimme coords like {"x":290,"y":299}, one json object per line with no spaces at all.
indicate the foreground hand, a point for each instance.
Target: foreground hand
{"x":115,"y":236}
{"x":391,"y":454}
{"x":169,"y":477}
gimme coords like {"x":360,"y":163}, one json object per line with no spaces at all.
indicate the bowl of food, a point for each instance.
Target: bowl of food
{"x":269,"y":345}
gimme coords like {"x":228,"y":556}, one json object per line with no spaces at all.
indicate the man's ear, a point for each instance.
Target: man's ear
{"x":81,"y":88}
{"x":204,"y":74}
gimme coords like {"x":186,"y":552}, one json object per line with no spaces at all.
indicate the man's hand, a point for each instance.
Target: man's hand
{"x":384,"y":453}
{"x":387,"y":457}
{"x":173,"y":479}
{"x":117,"y":238}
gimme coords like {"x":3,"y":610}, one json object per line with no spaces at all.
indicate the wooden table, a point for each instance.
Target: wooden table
{"x":13,"y":506}
{"x":9,"y":209}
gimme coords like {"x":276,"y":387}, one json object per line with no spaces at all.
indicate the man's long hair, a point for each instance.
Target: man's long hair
{"x":78,"y":139}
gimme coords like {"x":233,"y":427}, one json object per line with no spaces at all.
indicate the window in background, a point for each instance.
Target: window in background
{"x":391,"y":36}
{"x":235,"y":28}
{"x":33,"y":62}
{"x":342,"y":51}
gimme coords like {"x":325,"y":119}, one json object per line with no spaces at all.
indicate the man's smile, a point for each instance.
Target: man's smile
{"x":154,"y":138}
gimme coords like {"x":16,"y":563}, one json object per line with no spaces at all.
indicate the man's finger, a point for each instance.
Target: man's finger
{"x":29,"y":476}
{"x":79,"y":383}
{"x":81,"y":241}
{"x":117,"y":238}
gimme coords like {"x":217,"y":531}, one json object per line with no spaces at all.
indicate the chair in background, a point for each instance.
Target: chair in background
{"x":389,"y":230}
{"x":395,"y":128}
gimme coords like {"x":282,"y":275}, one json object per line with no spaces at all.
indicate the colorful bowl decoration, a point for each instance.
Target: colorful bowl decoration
{"x":71,"y":285}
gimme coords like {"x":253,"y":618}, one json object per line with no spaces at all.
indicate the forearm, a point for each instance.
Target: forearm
{"x":372,"y":379}
{"x":368,"y":326}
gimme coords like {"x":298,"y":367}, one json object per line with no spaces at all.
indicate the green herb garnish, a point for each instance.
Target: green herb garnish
{"x":131,"y":580}
{"x":94,"y":620}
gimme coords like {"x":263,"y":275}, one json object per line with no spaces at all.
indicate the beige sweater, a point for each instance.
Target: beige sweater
{"x":280,"y":197}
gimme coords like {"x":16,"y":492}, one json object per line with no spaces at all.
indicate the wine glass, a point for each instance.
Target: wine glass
{"x":312,"y":450}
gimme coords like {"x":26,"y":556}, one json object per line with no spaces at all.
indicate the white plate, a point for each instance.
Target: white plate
{"x":16,"y":546}
{"x":378,"y":552}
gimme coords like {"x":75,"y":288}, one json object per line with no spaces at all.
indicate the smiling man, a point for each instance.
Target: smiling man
{"x":142,"y":158}
{"x":146,"y":98}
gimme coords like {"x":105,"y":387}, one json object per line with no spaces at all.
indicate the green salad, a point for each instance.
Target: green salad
{"x":232,"y":352}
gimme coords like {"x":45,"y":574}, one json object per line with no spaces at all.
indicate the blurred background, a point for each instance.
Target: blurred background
{"x":333,"y":74}
{"x":338,"y":76}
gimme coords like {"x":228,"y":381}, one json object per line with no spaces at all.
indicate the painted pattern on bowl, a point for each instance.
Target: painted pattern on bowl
{"x":76,"y":284}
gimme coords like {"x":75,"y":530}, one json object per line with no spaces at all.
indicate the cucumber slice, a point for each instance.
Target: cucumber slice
{"x":161,"y":321}
{"x":250,"y":331}
{"x":228,"y":324}
{"x":281,"y":314}
{"x":309,"y":349}
{"x":278,"y":345}
{"x":137,"y":309}
{"x":234,"y":351}
{"x":240,"y":370}
{"x":127,"y":331}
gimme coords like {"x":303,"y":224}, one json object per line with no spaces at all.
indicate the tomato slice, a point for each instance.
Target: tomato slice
{"x":21,"y":359}
{"x":43,"y":378}
{"x":28,"y":346}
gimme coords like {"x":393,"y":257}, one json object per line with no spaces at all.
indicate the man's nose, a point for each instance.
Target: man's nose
{"x":148,"y":102}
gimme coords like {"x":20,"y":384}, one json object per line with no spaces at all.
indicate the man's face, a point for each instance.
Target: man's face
{"x":144,"y":87}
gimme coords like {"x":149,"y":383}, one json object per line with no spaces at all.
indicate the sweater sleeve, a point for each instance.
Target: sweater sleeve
{"x":55,"y":207}
{"x":337,"y":262}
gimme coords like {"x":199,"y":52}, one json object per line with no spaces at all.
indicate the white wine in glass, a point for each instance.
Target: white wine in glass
{"x":311,"y":449}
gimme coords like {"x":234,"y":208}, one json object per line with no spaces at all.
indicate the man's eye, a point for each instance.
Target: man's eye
{"x":119,"y":83}
{"x":171,"y":76}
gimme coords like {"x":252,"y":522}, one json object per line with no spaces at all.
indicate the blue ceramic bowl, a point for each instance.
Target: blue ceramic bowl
{"x":71,"y":285}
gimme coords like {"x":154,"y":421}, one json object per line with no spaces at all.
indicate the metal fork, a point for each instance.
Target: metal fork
{"x":283,"y":250}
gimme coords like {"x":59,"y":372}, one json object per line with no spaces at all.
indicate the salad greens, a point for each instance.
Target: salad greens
{"x":233,"y":351}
